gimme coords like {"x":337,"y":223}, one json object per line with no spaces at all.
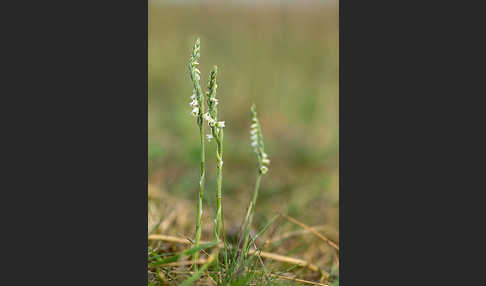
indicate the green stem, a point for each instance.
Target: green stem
{"x":219,"y":205}
{"x":252,"y":207}
{"x":201,"y":189}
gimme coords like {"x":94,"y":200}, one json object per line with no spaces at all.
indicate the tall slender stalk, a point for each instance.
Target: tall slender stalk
{"x":198,"y":109}
{"x":263,"y":161}
{"x":217,"y":133}
{"x":219,"y":206}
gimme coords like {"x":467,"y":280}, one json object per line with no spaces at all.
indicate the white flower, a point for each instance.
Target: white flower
{"x":195,"y":111}
{"x":209,"y":136}
{"x":264,"y":169}
{"x":253,"y":131}
{"x":254,"y":144}
{"x":254,"y":137}
{"x":207,"y":116}
{"x":254,"y":125}
{"x":193,"y":96}
{"x":266,"y":161}
{"x":194,"y":103}
{"x":220,"y":124}
{"x":264,"y":155}
{"x":214,"y":100}
{"x":209,"y":119}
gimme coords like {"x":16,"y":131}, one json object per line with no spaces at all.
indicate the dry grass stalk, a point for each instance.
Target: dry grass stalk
{"x":286,"y":259}
{"x":169,"y":238}
{"x":295,"y":233}
{"x":298,"y":280}
{"x":310,"y":229}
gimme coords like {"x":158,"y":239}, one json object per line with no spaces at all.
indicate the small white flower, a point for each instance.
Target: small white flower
{"x":220,"y":124}
{"x":207,"y":117}
{"x":264,"y":155}
{"x":254,"y":144}
{"x":254,"y":137}
{"x":266,"y":161}
{"x":264,"y":169}
{"x":253,"y":131}
{"x":194,"y":103}
{"x":193,"y":96}
{"x":209,"y":136}
{"x":254,"y":125}
{"x":220,"y":164}
{"x":197,"y":77}
{"x":197,"y":71}
{"x":195,"y":111}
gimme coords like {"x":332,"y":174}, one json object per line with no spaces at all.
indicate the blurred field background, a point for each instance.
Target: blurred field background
{"x":283,"y":56}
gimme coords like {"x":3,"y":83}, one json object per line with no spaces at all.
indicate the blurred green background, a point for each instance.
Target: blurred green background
{"x":282,"y":57}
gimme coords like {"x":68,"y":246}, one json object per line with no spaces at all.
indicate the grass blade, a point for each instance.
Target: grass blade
{"x":187,"y":252}
{"x":203,"y":268}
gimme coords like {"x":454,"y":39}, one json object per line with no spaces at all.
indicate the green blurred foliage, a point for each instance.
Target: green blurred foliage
{"x":282,"y":58}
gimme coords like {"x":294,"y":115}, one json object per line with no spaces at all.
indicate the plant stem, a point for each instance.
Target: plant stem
{"x":201,"y":183}
{"x":219,"y":206}
{"x":252,"y":207}
{"x":219,"y":182}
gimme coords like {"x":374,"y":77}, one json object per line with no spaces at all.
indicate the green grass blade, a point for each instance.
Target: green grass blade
{"x":272,"y":220}
{"x":201,"y":270}
{"x":187,"y":252}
